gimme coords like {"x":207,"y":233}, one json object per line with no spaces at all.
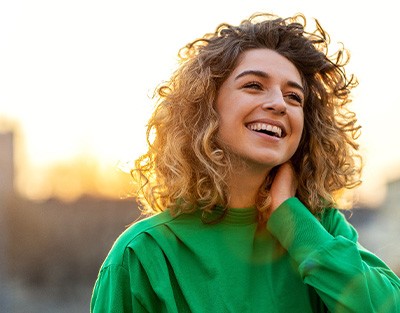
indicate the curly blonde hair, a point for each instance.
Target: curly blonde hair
{"x":185,"y":169}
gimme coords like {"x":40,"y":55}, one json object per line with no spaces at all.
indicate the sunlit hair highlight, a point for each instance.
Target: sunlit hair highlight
{"x":185,"y":168}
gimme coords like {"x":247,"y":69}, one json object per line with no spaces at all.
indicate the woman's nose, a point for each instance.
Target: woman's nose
{"x":275,"y":102}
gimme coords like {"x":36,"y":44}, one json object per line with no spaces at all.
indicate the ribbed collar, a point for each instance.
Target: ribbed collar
{"x":238,"y":216}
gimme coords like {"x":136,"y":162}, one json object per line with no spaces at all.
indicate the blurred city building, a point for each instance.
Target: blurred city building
{"x":379,"y":229}
{"x":51,"y":250}
{"x":6,"y":196}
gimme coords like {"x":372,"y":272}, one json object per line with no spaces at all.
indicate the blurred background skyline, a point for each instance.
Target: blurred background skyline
{"x":76,"y":78}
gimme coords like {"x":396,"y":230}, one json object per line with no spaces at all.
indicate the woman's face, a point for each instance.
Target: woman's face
{"x":261,"y":109}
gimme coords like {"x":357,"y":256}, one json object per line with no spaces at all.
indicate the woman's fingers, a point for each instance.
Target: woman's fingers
{"x":284,"y":185}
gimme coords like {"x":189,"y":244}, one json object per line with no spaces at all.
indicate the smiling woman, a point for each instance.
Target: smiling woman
{"x":264,"y":98}
{"x":250,"y":141}
{"x":260,"y":106}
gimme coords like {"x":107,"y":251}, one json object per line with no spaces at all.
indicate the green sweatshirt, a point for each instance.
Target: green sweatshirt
{"x":297,"y":263}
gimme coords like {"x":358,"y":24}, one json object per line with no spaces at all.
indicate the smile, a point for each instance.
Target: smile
{"x":271,"y":130}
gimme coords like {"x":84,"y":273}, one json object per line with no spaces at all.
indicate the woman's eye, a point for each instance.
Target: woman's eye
{"x":295,"y":97}
{"x":253,"y":85}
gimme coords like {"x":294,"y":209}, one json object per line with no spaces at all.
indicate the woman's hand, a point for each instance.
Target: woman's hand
{"x":284,"y":185}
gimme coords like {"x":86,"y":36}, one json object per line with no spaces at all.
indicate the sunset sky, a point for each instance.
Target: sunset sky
{"x":76,"y":75}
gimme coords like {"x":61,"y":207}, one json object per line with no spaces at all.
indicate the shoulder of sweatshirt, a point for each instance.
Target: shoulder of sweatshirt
{"x":132,"y":234}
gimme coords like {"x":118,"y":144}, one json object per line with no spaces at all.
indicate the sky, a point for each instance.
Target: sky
{"x":77,"y":76}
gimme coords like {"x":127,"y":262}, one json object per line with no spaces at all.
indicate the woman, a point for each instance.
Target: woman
{"x":249,"y":144}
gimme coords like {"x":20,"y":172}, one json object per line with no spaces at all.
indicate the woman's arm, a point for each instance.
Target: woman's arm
{"x":347,"y":277}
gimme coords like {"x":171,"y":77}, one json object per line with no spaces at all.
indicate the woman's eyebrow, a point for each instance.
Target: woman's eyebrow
{"x":296,"y":85}
{"x":263,"y":74}
{"x":253,"y":72}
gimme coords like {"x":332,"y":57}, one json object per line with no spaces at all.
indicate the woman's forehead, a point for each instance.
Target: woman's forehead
{"x":266,"y":61}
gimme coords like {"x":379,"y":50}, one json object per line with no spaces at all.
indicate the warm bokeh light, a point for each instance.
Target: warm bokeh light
{"x":77,"y":78}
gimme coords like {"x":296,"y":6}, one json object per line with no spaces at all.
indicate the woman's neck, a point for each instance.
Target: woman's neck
{"x":244,"y":186}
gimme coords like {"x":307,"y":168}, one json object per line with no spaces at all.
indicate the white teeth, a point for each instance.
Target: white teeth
{"x":262,"y":126}
{"x":277,"y":130}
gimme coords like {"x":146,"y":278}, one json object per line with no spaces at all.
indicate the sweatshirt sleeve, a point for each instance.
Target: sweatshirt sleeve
{"x":135,"y":278}
{"x":123,"y":284}
{"x":112,"y":291}
{"x":346,"y":276}
{"x":109,"y":293}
